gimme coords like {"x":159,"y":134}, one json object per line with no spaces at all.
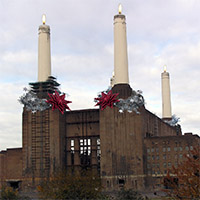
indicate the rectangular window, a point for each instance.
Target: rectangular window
{"x":187,"y":148}
{"x":98,"y":149}
{"x":72,"y":146}
{"x":157,"y":157}
{"x":148,"y":150}
{"x":180,"y":156}
{"x":164,"y":164}
{"x":164,"y":157}
{"x":148,"y":157}
{"x":180,"y":149}
{"x":72,"y":151}
{"x":168,"y":148}
{"x":85,"y":146}
{"x":191,"y":147}
{"x":152,"y":149}
{"x":153,"y":157}
{"x":157,"y":150}
{"x":169,"y":164}
{"x":175,"y":148}
{"x":164,"y":149}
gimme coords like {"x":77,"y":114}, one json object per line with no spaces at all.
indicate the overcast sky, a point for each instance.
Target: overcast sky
{"x":158,"y":33}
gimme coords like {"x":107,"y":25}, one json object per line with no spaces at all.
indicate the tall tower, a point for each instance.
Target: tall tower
{"x":166,"y":97}
{"x":121,"y":134}
{"x":120,"y":49}
{"x":43,"y":131}
{"x":44,"y":52}
{"x":121,"y":78}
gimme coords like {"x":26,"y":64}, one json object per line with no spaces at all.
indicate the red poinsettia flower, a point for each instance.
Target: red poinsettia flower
{"x":107,"y":99}
{"x":58,"y":102}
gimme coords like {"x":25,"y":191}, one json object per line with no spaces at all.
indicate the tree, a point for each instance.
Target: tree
{"x":8,"y":193}
{"x":84,"y":185}
{"x":183,"y":182}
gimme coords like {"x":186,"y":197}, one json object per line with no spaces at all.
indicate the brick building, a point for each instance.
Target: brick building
{"x":127,"y":149}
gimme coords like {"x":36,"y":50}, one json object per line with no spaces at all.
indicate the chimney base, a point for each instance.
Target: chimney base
{"x":123,"y":89}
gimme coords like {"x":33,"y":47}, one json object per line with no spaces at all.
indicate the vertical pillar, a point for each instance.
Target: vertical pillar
{"x":120,"y":50}
{"x":166,"y":97}
{"x":44,"y":52}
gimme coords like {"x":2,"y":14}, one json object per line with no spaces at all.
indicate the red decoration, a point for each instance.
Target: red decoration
{"x":107,"y":99}
{"x":58,"y":101}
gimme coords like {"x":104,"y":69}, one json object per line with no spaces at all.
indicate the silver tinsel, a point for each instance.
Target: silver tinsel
{"x":132,"y":103}
{"x":174,"y":121}
{"x":32,"y":102}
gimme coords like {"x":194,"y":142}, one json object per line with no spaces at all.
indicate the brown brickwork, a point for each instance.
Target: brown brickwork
{"x":11,"y":167}
{"x":128,"y":149}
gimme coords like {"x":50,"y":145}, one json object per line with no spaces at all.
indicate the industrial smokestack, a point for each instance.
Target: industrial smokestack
{"x":166,"y":96}
{"x":44,"y":52}
{"x":120,"y":49}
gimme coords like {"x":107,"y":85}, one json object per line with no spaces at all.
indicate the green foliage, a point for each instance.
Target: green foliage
{"x":129,"y":194}
{"x":8,"y":193}
{"x":86,"y":185}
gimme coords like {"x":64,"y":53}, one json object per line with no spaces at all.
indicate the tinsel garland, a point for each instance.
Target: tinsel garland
{"x":174,"y":121}
{"x":132,"y":103}
{"x":32,"y":102}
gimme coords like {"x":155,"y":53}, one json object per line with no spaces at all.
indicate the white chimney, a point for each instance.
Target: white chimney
{"x":120,"y":49}
{"x":44,"y":52}
{"x":166,"y":96}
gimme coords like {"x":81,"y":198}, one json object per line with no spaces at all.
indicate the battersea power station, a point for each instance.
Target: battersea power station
{"x":129,"y":148}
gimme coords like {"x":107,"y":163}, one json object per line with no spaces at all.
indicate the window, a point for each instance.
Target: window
{"x":164,"y":157}
{"x":98,"y":148}
{"x":85,"y":146}
{"x":148,"y":166}
{"x":148,"y":157}
{"x":72,"y":146}
{"x":175,"y":156}
{"x":108,"y":183}
{"x":72,"y":151}
{"x":180,"y":156}
{"x":164,"y":164}
{"x":180,"y":149}
{"x":187,"y":148}
{"x":153,"y":157}
{"x":152,"y":149}
{"x":168,"y":148}
{"x":157,"y":150}
{"x":85,"y":152}
{"x":169,"y":164}
{"x":148,"y":150}
{"x":158,"y":165}
{"x":164,"y":149}
{"x":175,"y":148}
{"x":157,"y":157}
{"x":121,"y":181}
{"x":191,"y":147}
